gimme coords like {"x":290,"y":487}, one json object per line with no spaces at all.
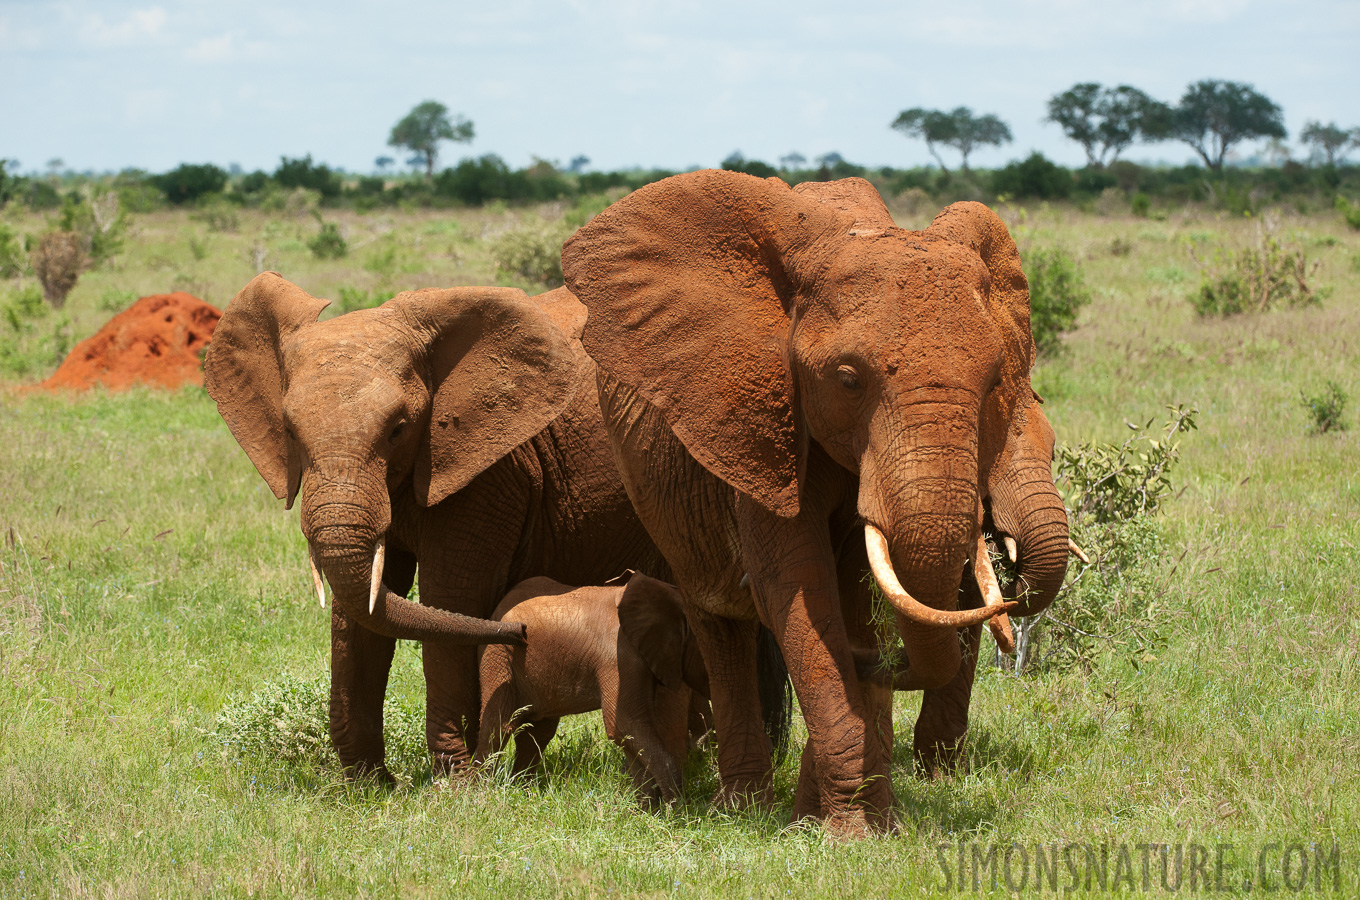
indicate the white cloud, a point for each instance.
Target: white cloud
{"x":139,"y":26}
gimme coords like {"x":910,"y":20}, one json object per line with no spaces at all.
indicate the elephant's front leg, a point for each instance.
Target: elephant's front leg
{"x":943,"y":721}
{"x":360,"y":663}
{"x":794,"y":572}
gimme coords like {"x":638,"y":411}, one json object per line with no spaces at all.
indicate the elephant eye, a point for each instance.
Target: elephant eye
{"x":397,"y":431}
{"x":849,"y":377}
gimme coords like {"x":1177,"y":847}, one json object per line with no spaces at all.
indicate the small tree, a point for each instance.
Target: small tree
{"x":424,"y":127}
{"x":1329,"y":140}
{"x":790,"y":161}
{"x":958,"y":128}
{"x":1213,"y":115}
{"x":1105,"y":121}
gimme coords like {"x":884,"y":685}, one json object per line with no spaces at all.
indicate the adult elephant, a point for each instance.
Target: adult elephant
{"x":797,"y":391}
{"x":445,"y":427}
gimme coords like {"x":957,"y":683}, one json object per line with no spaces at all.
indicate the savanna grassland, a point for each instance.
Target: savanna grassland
{"x":150,"y":581}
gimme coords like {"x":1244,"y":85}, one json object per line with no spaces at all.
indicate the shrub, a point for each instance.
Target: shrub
{"x":1112,"y":493}
{"x":96,"y":214}
{"x":187,"y":182}
{"x":1327,"y":407}
{"x":532,"y":252}
{"x":286,"y":721}
{"x":329,"y":243}
{"x":1140,"y":205}
{"x":1036,"y":176}
{"x":1256,"y":279}
{"x":1057,"y":292}
{"x":58,"y":261}
{"x":12,"y":262}
{"x":738,"y":163}
{"x":356,"y":298}
{"x":33,"y":338}
{"x":303,"y":173}
{"x":1349,"y":211}
{"x":217,"y":214}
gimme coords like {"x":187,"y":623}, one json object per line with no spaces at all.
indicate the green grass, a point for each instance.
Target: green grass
{"x":152,"y":581}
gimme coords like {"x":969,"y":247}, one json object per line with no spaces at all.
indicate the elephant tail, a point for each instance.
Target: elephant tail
{"x":776,"y":693}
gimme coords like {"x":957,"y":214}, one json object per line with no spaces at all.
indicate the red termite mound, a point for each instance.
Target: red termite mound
{"x":157,"y":340}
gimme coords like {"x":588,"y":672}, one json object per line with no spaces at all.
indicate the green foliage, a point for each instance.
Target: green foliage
{"x":736,"y":162}
{"x":33,"y":338}
{"x":1057,"y":293}
{"x":187,"y":182}
{"x":474,"y":182}
{"x":531,"y":252}
{"x":286,"y":721}
{"x":1140,"y":204}
{"x":1113,"y":605}
{"x":1213,"y":115}
{"x":136,"y":191}
{"x":958,"y":128}
{"x":9,"y":184}
{"x":114,"y":300}
{"x":1105,"y":121}
{"x":40,"y":195}
{"x":1036,"y":176}
{"x":1330,"y":140}
{"x":218,"y":214}
{"x":421,"y":130}
{"x":328,"y":243}
{"x":303,"y":173}
{"x":13,"y":260}
{"x":1327,"y":408}
{"x":97,"y":216}
{"x":1349,"y":211}
{"x":1255,"y":279}
{"x":357,"y":298}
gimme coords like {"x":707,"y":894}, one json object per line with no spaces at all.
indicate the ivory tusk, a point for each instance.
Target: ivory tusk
{"x":1077,"y":551}
{"x":991,"y":595}
{"x":880,"y":563}
{"x":745,"y":581}
{"x":316,"y":576}
{"x":375,"y":579}
{"x":1011,"y":552}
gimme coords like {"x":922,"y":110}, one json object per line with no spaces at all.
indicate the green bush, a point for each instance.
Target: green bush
{"x":187,"y":182}
{"x":12,"y":256}
{"x":33,"y":339}
{"x":738,"y":163}
{"x":96,"y":214}
{"x":1057,"y":292}
{"x":329,"y":243}
{"x":1349,"y":211}
{"x":1327,"y":408}
{"x":1112,"y":606}
{"x":356,"y":298}
{"x":218,"y":214}
{"x":39,"y":195}
{"x":1036,"y":176}
{"x":532,"y":252}
{"x":1255,"y":279}
{"x":286,"y":721}
{"x":1140,"y":205}
{"x":303,"y":173}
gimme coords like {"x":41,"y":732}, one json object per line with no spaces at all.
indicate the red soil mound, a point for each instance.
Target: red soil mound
{"x":157,"y":340}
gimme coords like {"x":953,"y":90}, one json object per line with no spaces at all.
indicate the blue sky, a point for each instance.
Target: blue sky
{"x":674,"y":83}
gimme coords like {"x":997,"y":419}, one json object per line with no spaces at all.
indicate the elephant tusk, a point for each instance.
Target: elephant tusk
{"x":1011,"y":553}
{"x":1077,"y":551}
{"x":880,"y":563}
{"x":745,"y":581}
{"x":375,"y":579}
{"x":316,"y":576}
{"x":991,"y":596}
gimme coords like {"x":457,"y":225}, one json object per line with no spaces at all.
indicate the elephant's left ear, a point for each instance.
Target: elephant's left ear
{"x":499,"y":371}
{"x":974,"y":225}
{"x":652,"y":620}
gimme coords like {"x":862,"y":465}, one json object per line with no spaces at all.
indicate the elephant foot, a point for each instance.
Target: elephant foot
{"x":744,"y":795}
{"x":376,"y":773}
{"x":857,"y":823}
{"x":936,"y":760}
{"x":451,"y":766}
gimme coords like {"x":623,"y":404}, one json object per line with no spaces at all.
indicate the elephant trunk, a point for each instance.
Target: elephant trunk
{"x":346,"y":541}
{"x":1026,"y":508}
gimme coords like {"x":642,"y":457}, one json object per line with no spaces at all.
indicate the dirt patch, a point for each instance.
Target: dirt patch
{"x":158,"y":340}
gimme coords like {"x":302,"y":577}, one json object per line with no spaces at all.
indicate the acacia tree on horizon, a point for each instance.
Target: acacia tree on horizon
{"x":1214,"y":114}
{"x":424,"y":127}
{"x":958,"y":128}
{"x":1106,"y":121}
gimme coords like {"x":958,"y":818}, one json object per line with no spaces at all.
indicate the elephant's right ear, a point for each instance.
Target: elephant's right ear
{"x":244,"y":373}
{"x":690,"y":283}
{"x":652,"y":620}
{"x":499,"y":371}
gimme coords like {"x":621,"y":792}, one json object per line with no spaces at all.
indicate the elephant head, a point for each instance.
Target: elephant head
{"x":427,"y":390}
{"x":761,"y":319}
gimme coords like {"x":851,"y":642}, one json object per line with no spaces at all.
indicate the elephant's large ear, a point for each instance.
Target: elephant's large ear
{"x":690,"y":282}
{"x":244,"y":373}
{"x":853,"y":196}
{"x":652,"y":620}
{"x":499,"y":371}
{"x":974,"y":225}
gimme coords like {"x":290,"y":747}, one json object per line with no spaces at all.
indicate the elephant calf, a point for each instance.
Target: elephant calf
{"x":624,"y":648}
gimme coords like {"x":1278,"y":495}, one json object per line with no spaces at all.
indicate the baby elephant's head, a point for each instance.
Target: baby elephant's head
{"x":652,"y":619}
